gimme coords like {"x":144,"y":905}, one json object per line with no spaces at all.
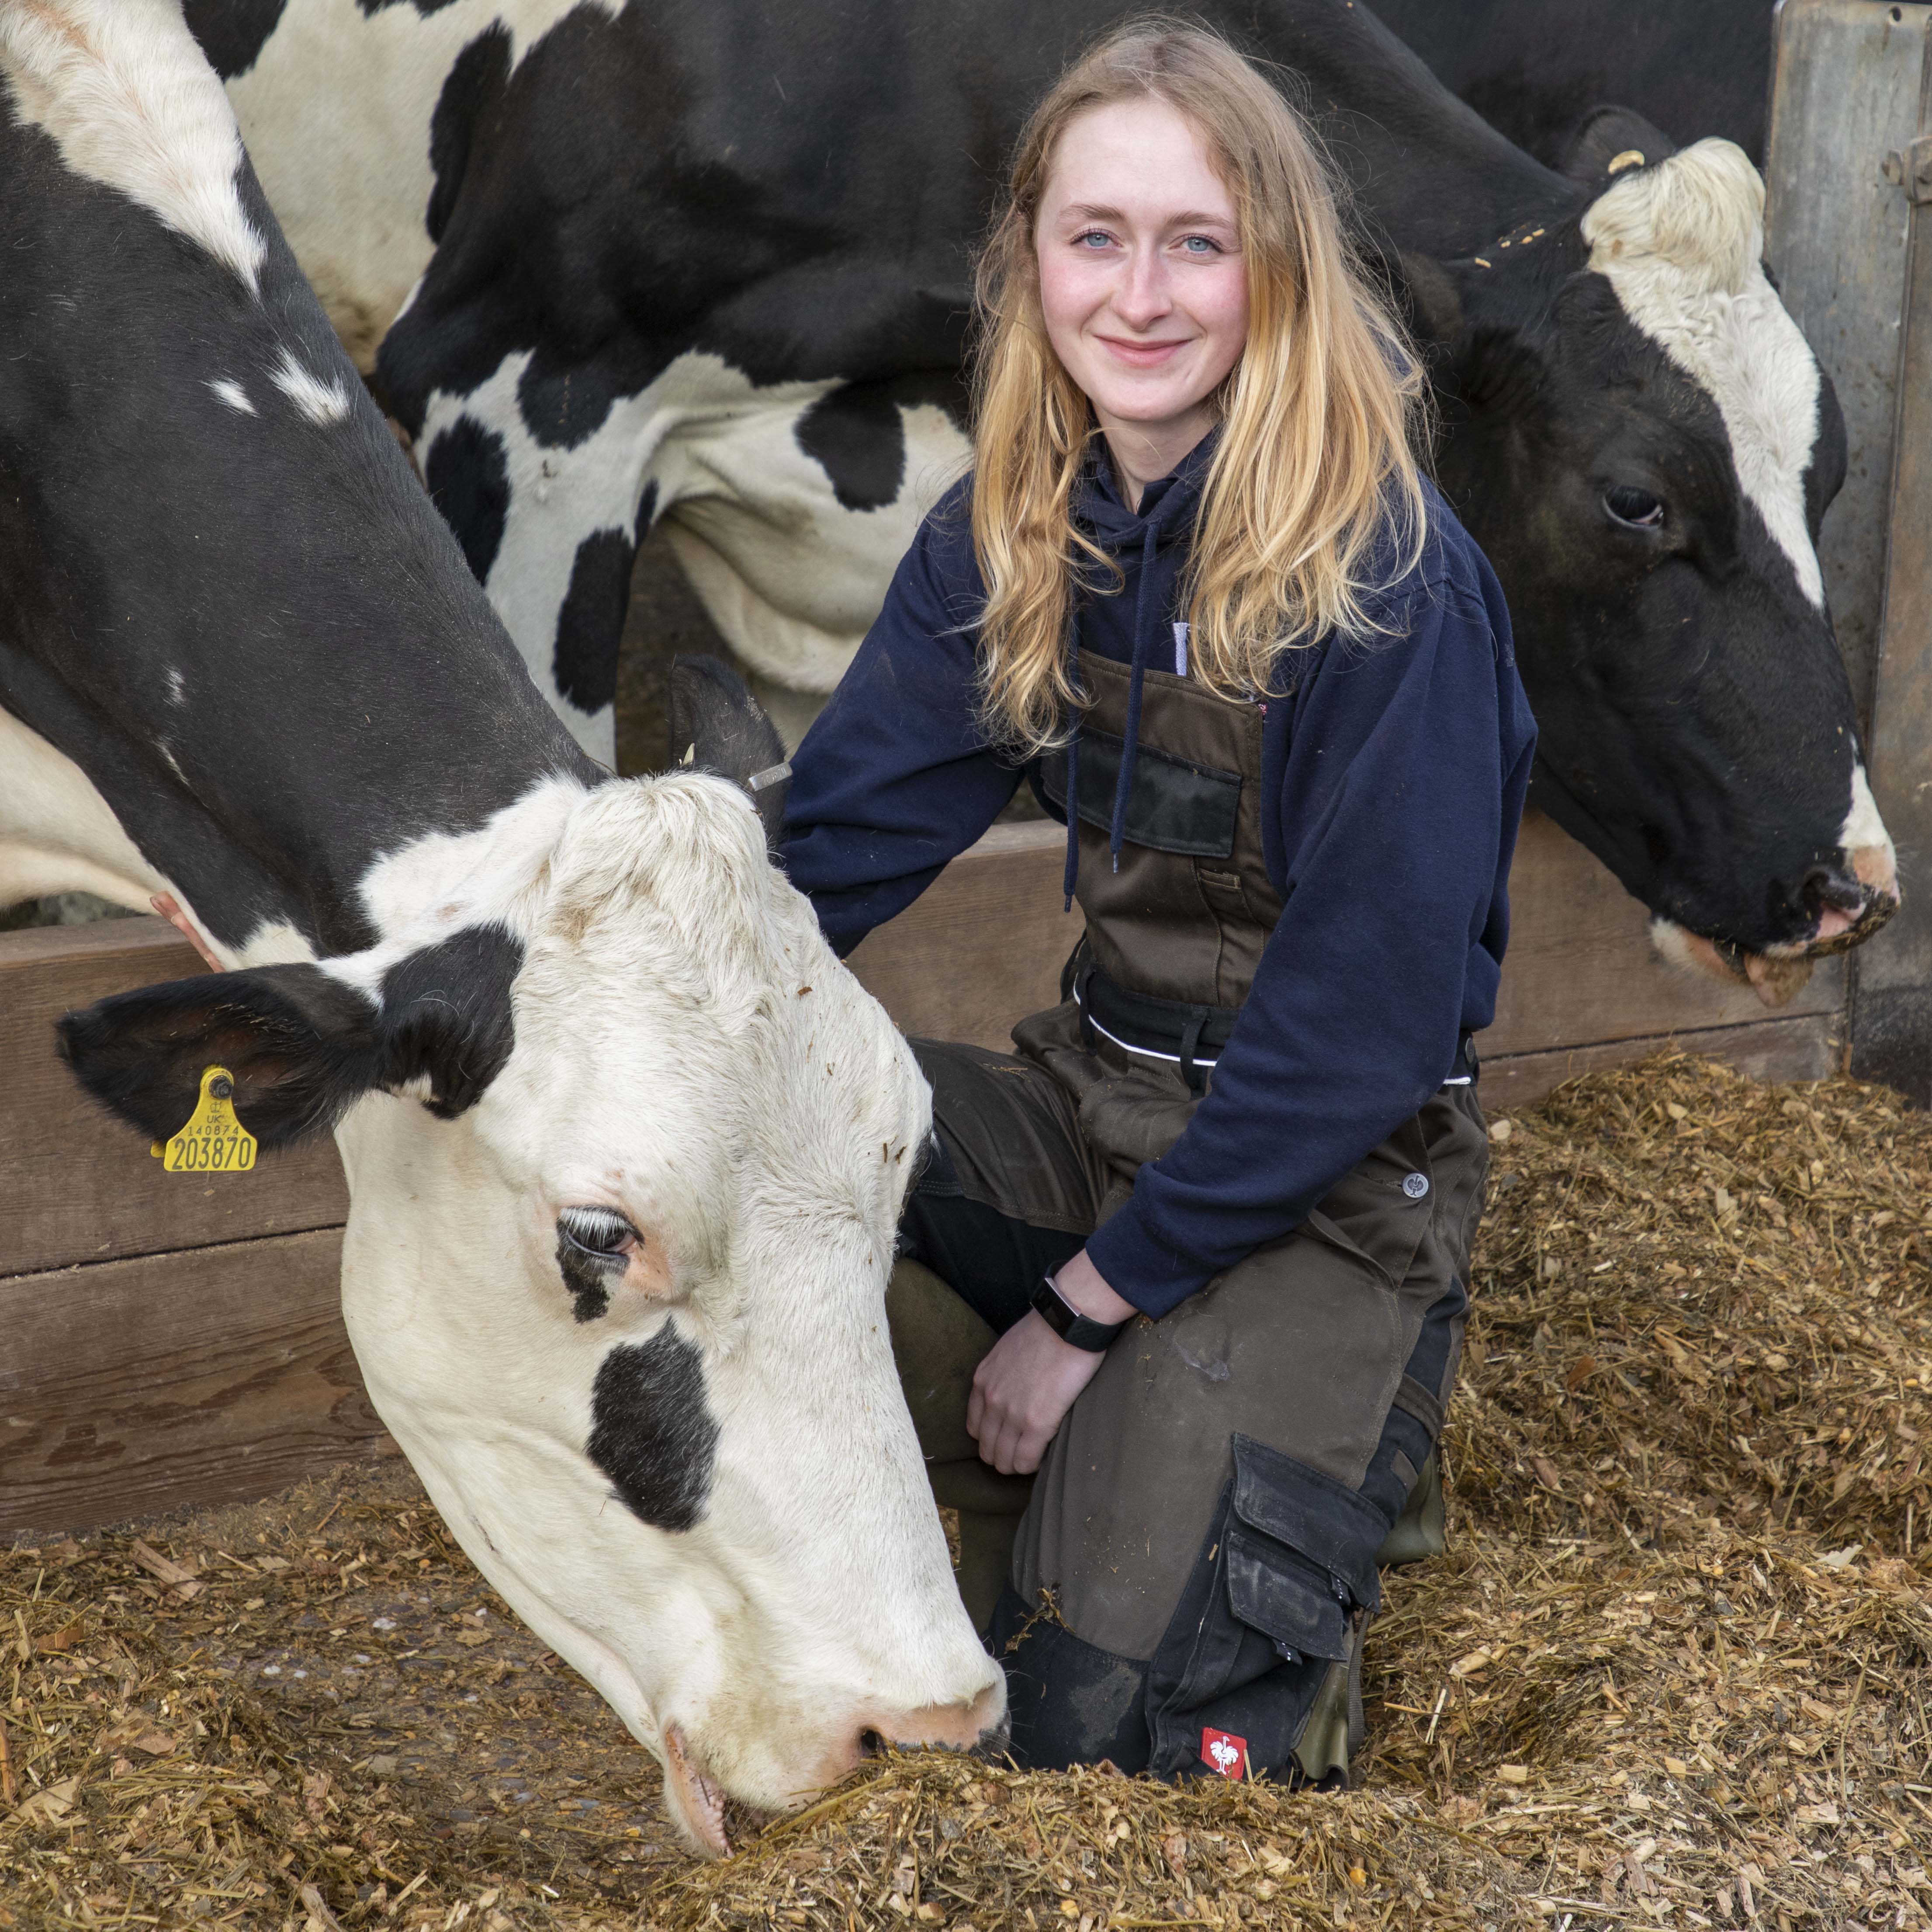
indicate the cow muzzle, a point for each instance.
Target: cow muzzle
{"x":698,"y":1803}
{"x":1846,"y":904}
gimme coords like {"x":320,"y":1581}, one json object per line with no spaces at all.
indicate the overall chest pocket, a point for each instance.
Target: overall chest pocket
{"x":1192,"y":810}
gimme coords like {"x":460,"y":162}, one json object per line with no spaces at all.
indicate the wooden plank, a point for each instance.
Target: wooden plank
{"x":985,"y":945}
{"x":982,"y":946}
{"x":1844,"y":93}
{"x":1891,"y":1012}
{"x":80,"y":1186}
{"x":136,"y":1386}
{"x":1807,"y":1048}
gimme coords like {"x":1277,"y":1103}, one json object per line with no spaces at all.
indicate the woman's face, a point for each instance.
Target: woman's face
{"x":1141,"y":276}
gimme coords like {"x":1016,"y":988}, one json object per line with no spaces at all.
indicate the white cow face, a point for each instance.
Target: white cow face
{"x":623,"y":1304}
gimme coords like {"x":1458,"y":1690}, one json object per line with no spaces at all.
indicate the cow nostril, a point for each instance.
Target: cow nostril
{"x":871,"y":1744}
{"x":1825,"y":888}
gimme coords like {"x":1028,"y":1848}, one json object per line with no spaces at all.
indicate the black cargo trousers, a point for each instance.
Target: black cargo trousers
{"x":1186,"y":1585}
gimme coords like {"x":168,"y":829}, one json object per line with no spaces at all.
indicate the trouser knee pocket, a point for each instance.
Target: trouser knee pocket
{"x":1277,"y":1601}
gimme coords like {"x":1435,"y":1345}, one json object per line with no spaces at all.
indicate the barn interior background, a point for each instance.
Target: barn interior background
{"x":198,"y":1353}
{"x":1576,"y":1725}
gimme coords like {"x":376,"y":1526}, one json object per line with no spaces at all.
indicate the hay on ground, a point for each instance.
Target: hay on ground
{"x":1675,"y":1671}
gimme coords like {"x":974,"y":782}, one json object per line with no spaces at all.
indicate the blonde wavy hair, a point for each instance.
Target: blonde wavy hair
{"x":1320,"y":415}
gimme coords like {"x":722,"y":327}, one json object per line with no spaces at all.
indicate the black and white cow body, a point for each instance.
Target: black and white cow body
{"x":1534,"y":70}
{"x":712,"y":262}
{"x":626,"y":1144}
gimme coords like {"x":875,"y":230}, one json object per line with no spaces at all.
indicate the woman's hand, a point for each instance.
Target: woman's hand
{"x":1030,"y":1378}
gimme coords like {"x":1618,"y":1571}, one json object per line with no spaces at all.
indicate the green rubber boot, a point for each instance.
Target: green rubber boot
{"x":938,"y":1343}
{"x":1335,"y":1728}
{"x":1418,"y":1531}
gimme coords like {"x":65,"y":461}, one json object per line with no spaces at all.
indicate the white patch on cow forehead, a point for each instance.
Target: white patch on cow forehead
{"x":231,"y":393}
{"x":1681,"y":243}
{"x":125,"y":93}
{"x":177,"y":686}
{"x":322,"y":402}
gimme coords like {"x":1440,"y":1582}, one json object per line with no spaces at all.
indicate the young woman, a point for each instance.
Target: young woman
{"x":1199,"y":1252}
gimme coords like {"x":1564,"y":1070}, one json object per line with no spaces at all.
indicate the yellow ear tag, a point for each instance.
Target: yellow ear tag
{"x":214,"y":1141}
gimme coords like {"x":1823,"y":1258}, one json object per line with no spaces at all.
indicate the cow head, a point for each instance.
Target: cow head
{"x":627,"y":1147}
{"x":1644,"y":445}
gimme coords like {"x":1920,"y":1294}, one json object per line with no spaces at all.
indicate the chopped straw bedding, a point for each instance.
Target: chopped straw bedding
{"x":1675,"y":1672}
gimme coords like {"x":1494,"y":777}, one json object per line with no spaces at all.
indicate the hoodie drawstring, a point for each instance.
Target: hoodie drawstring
{"x":1143,"y":641}
{"x":1071,"y":877}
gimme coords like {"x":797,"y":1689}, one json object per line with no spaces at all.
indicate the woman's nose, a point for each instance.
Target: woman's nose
{"x":1142,"y":298}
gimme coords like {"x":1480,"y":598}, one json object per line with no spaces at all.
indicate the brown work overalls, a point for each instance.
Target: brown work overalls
{"x":1195,"y":1560}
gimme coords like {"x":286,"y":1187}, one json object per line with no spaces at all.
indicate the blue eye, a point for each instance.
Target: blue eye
{"x":1095,"y":236}
{"x":1201,"y":244}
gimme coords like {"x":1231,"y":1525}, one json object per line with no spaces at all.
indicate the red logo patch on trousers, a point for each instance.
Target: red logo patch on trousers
{"x":1225,"y":1753}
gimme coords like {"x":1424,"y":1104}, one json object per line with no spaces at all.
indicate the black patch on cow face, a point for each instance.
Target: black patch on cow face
{"x":370,"y":8}
{"x":855,"y":435}
{"x":651,"y":1432}
{"x":468,"y":474}
{"x":477,"y":75}
{"x":587,"y":1277}
{"x":232,"y":33}
{"x":1696,"y":727}
{"x":594,"y":1246}
{"x":446,"y":1015}
{"x":590,"y":624}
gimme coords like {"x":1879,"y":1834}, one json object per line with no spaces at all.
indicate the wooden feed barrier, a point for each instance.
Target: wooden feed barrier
{"x":166,"y":1340}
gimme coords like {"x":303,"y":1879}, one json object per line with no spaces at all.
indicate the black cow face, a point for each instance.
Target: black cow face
{"x":1697,"y":727}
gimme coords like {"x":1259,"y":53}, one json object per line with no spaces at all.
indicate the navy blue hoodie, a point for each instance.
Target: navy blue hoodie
{"x":1393,"y":773}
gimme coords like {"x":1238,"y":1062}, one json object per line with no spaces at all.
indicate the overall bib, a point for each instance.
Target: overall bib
{"x":1196,"y":1562}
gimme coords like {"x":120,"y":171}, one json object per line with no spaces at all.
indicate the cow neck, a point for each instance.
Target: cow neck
{"x":277,"y":670}
{"x":1429,"y":172}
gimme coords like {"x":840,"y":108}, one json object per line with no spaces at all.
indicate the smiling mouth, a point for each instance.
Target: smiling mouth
{"x":1143,"y":355}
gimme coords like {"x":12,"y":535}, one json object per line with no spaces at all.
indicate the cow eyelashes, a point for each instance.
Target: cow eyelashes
{"x":601,"y":1233}
{"x":1637,"y":508}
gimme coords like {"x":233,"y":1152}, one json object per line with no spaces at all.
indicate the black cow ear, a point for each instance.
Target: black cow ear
{"x":717,"y":725}
{"x":447,"y":1017}
{"x":301,"y":1045}
{"x":1610,"y":141}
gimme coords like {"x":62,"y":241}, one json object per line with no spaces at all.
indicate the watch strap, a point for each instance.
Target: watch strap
{"x":1078,"y":1330}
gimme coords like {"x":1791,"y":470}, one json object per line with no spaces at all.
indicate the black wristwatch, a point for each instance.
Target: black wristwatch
{"x":1068,"y":1323}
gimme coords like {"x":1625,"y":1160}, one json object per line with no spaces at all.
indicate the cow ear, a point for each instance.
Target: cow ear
{"x":1610,"y":141}
{"x":717,"y":725}
{"x":447,"y":1017}
{"x":301,"y":1045}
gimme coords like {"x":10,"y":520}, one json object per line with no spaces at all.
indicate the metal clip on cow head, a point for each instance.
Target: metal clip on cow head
{"x":717,"y":725}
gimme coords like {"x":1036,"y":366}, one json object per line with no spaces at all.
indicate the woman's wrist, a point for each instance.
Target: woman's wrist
{"x":1084,"y":1289}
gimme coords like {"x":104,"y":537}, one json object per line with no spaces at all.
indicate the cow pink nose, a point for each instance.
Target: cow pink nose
{"x":948,"y":1726}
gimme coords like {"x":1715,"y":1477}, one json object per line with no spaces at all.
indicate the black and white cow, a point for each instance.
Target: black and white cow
{"x":626,"y":1144}
{"x":711,"y":262}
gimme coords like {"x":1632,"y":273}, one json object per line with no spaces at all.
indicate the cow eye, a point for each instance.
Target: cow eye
{"x":1638,"y":509}
{"x":601,"y":1231}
